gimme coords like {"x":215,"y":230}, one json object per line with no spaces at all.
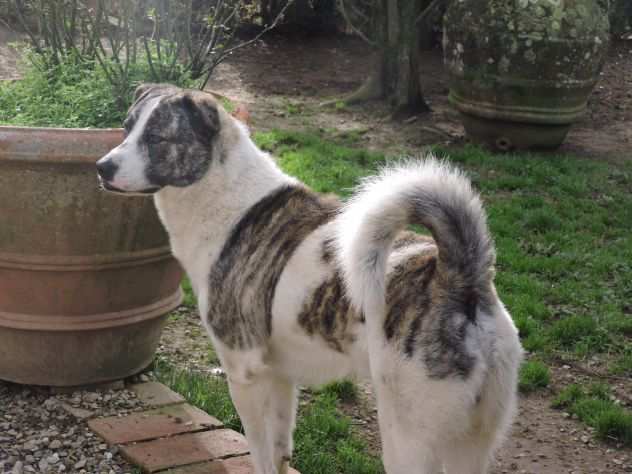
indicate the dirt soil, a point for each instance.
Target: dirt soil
{"x":8,"y":54}
{"x":283,"y":82}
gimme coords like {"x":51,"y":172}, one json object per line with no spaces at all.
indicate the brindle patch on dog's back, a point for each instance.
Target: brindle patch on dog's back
{"x":244,"y":278}
{"x":329,"y":314}
{"x":408,"y":298}
{"x":423,"y":319}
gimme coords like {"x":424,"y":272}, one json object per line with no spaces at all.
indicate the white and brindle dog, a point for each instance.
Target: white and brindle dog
{"x":295,"y":288}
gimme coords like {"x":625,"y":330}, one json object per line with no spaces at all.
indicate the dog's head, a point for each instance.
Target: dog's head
{"x":169,"y":140}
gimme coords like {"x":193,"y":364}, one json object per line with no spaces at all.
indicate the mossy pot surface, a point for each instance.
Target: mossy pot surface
{"x":531,"y":62}
{"x":86,"y":277}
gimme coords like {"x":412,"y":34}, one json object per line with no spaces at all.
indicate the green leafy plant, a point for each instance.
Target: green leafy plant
{"x":343,"y":390}
{"x":534,"y":375}
{"x":593,"y":406}
{"x":69,"y":94}
{"x":174,"y":41}
{"x":109,"y":45}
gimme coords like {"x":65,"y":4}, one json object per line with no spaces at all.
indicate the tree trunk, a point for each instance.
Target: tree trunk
{"x":396,"y":77}
{"x":401,"y":61}
{"x":315,"y":16}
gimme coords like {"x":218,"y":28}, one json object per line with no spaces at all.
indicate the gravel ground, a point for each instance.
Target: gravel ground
{"x":42,"y":432}
{"x":185,"y":343}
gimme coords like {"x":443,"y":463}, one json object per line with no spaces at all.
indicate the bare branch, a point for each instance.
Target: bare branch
{"x":150,"y":61}
{"x":429,"y":10}
{"x":34,"y":41}
{"x":262,"y":32}
{"x":227,"y":52}
{"x":357,"y":31}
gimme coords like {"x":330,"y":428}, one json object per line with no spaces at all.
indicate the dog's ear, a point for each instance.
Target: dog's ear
{"x":203,"y":115}
{"x":144,"y":90}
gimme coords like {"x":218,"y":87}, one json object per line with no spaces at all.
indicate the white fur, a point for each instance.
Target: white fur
{"x":382,"y":203}
{"x":297,"y":355}
{"x":129,"y":158}
{"x":425,"y":424}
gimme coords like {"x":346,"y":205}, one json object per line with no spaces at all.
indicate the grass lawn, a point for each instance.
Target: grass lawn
{"x":562,"y":231}
{"x":324,"y":440}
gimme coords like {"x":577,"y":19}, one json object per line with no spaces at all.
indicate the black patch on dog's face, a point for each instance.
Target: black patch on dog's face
{"x":177,"y":138}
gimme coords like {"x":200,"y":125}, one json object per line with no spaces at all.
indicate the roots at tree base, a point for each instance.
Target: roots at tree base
{"x":373,"y":88}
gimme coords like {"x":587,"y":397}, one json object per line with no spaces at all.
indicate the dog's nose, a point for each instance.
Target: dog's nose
{"x":106,"y":169}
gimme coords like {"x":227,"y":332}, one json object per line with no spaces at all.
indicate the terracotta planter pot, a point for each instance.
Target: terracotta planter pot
{"x":521,"y":71}
{"x":86,"y":277}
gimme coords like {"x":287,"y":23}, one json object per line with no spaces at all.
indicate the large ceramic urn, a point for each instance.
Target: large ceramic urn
{"x":521,"y":71}
{"x":86,"y":277}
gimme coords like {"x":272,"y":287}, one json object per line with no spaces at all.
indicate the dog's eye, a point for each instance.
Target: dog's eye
{"x":154,"y":139}
{"x":127,"y":126}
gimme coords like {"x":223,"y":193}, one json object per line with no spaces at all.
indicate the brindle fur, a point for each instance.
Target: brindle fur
{"x":422,"y":317}
{"x":330,"y":315}
{"x":244,"y":277}
{"x":178,"y":135}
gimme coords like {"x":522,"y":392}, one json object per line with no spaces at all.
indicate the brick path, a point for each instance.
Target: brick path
{"x":173,"y":437}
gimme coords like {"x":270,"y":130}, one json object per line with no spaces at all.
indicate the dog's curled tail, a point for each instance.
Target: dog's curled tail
{"x":427,"y":192}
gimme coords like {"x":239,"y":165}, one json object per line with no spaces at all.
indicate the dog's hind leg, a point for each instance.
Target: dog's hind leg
{"x":403,"y":450}
{"x":266,"y":406}
{"x":470,"y":455}
{"x":418,"y":416}
{"x":404,"y":455}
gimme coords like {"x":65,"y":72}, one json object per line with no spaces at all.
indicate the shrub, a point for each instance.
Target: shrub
{"x":569,"y":330}
{"x":107,"y":48}
{"x":344,"y":390}
{"x":70,"y":94}
{"x":568,"y":396}
{"x":614,"y":424}
{"x":534,"y":375}
{"x":594,"y":407}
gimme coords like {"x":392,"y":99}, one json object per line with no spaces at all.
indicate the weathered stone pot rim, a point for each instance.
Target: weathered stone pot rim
{"x":543,"y":83}
{"x":514,"y":113}
{"x":69,"y":263}
{"x":56,"y":144}
{"x":61,"y":323}
{"x":63,"y":129}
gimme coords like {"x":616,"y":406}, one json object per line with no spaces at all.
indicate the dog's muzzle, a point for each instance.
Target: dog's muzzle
{"x":106,"y":170}
{"x":105,"y":186}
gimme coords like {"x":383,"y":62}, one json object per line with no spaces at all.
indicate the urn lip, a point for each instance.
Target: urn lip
{"x":56,"y":145}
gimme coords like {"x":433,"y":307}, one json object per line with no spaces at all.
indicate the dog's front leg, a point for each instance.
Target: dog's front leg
{"x":281,"y":421}
{"x":267,"y":408}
